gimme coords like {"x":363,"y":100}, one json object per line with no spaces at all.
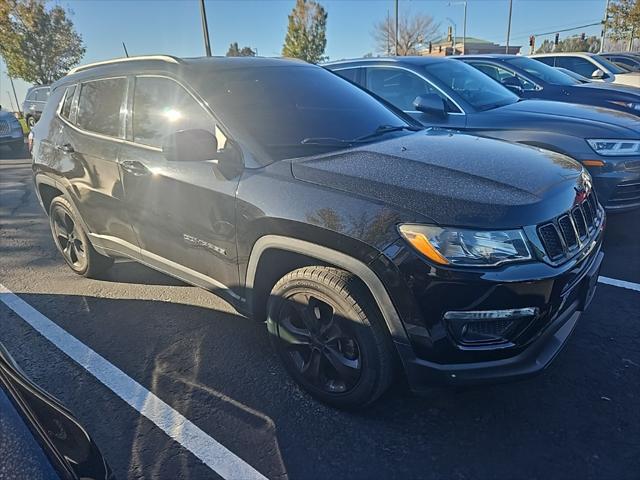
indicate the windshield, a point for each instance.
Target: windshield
{"x":473,"y":86}
{"x":542,"y":71}
{"x":612,"y":67}
{"x":281,"y":108}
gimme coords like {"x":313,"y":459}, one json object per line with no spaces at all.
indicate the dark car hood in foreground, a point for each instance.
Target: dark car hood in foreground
{"x":585,"y":116}
{"x":453,"y":179}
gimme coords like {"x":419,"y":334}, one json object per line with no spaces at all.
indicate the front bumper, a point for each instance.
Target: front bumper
{"x":618,"y":186}
{"x":423,"y":374}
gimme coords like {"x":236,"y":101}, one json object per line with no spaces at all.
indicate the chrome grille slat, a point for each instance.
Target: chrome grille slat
{"x":567,"y":234}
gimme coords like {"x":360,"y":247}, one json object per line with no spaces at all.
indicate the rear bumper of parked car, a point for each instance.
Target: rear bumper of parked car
{"x":559,"y":295}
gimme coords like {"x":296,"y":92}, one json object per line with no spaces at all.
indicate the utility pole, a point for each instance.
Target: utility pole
{"x":633,"y":31}
{"x":464,"y":29}
{"x":396,"y":32}
{"x":13,"y":87}
{"x":388,"y":35}
{"x":205,"y":29}
{"x":603,"y":33}
{"x":509,"y":26}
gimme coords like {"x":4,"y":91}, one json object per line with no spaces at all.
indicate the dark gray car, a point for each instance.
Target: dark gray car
{"x":447,"y":93}
{"x":34,"y":103}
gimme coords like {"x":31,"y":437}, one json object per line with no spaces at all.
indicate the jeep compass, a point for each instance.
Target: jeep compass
{"x":372,"y":247}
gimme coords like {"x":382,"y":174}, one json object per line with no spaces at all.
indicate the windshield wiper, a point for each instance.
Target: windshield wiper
{"x":383,"y":129}
{"x":340,"y":142}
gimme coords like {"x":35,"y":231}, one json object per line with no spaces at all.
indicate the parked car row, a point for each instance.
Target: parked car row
{"x":448,"y":93}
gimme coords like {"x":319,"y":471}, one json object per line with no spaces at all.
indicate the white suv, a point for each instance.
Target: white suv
{"x":591,"y":66}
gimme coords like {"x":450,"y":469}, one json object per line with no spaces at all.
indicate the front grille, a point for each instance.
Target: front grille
{"x":568,"y":233}
{"x":5,"y":128}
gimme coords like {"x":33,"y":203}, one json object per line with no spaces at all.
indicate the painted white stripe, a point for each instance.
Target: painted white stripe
{"x":224,"y":462}
{"x":619,"y":283}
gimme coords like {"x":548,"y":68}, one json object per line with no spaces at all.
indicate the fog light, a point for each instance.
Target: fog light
{"x":488,"y":327}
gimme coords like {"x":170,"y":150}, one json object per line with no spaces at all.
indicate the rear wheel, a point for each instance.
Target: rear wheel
{"x":330,"y":336}
{"x":73,"y":243}
{"x":31,"y":121}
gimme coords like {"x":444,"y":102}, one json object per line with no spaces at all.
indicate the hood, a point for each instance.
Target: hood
{"x":453,"y":179}
{"x":617,"y":89}
{"x":630,"y":78}
{"x":608,"y":120}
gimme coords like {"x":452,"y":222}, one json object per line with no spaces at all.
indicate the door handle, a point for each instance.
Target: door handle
{"x":66,"y":148}
{"x":134,"y":167}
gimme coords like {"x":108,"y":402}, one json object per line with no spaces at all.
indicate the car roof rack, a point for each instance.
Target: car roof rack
{"x":163,"y":58}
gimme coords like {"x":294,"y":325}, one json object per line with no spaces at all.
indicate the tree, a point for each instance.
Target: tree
{"x":306,"y":35}
{"x":38,"y":45}
{"x":236,"y":51}
{"x":571,"y":44}
{"x":623,"y":20}
{"x":414,"y":30}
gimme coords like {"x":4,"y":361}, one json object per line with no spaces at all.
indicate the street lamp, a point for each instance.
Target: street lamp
{"x":464,"y":25}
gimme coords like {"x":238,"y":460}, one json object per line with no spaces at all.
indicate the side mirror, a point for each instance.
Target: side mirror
{"x":598,"y":74}
{"x":514,"y":84}
{"x":190,"y":146}
{"x":430,"y":104}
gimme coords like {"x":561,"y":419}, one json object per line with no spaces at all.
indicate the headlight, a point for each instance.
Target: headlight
{"x":630,"y":105}
{"x":471,"y":248}
{"x":615,"y":148}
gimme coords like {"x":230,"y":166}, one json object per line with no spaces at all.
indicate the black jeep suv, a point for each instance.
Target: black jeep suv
{"x":364,"y":240}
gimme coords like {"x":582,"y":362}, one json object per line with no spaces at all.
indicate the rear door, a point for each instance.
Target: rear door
{"x":182,"y":212}
{"x":88,"y":146}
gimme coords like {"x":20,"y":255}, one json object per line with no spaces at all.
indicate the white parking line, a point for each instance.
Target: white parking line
{"x":619,"y":283}
{"x":224,"y":462}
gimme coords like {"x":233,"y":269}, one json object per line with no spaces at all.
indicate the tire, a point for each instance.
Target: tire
{"x":330,"y":336}
{"x":72,"y":241}
{"x":31,"y":121}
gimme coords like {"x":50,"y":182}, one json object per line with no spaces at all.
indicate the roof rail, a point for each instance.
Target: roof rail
{"x":164,"y":58}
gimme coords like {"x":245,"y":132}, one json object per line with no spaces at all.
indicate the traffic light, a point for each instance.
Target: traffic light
{"x":582,"y":36}
{"x":430,"y":47}
{"x":449,"y":34}
{"x":557,"y":40}
{"x":532,"y":40}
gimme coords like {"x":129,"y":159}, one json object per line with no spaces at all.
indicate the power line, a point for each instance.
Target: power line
{"x":567,"y":29}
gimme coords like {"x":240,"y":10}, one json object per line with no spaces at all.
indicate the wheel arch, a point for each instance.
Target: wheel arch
{"x":260,"y":279}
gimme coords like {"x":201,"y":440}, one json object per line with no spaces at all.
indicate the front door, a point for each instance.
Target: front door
{"x":183,"y":214}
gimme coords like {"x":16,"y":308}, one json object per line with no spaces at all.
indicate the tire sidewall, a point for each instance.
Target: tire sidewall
{"x":62,"y":204}
{"x":363,"y":390}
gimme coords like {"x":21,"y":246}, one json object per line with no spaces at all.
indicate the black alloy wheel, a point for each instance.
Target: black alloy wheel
{"x":72,"y":241}
{"x":319,"y":342}
{"x":330,"y":336}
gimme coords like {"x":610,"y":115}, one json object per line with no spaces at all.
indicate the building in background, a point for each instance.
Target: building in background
{"x":472,"y":46}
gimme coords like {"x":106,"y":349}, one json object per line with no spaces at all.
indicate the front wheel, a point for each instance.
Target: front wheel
{"x":330,"y":336}
{"x":31,"y":121}
{"x":73,"y":243}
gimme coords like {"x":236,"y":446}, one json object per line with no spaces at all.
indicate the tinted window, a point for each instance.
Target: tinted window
{"x":99,"y":106}
{"x":542,"y":71}
{"x":68,"y":100}
{"x":42,"y":94}
{"x":612,"y":67}
{"x":470,"y":84}
{"x":398,"y":87}
{"x":161,"y":107}
{"x":576,"y":64}
{"x":503,"y":75}
{"x":546,"y":60}
{"x":349,"y":73}
{"x":276,"y":108}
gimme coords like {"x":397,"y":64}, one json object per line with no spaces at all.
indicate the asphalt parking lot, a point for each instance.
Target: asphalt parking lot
{"x":579,"y":419}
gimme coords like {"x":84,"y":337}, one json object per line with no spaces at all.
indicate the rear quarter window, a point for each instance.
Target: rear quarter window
{"x":65,"y":111}
{"x":99,"y":106}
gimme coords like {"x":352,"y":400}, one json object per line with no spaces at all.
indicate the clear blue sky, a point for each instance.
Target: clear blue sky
{"x":173,"y":26}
